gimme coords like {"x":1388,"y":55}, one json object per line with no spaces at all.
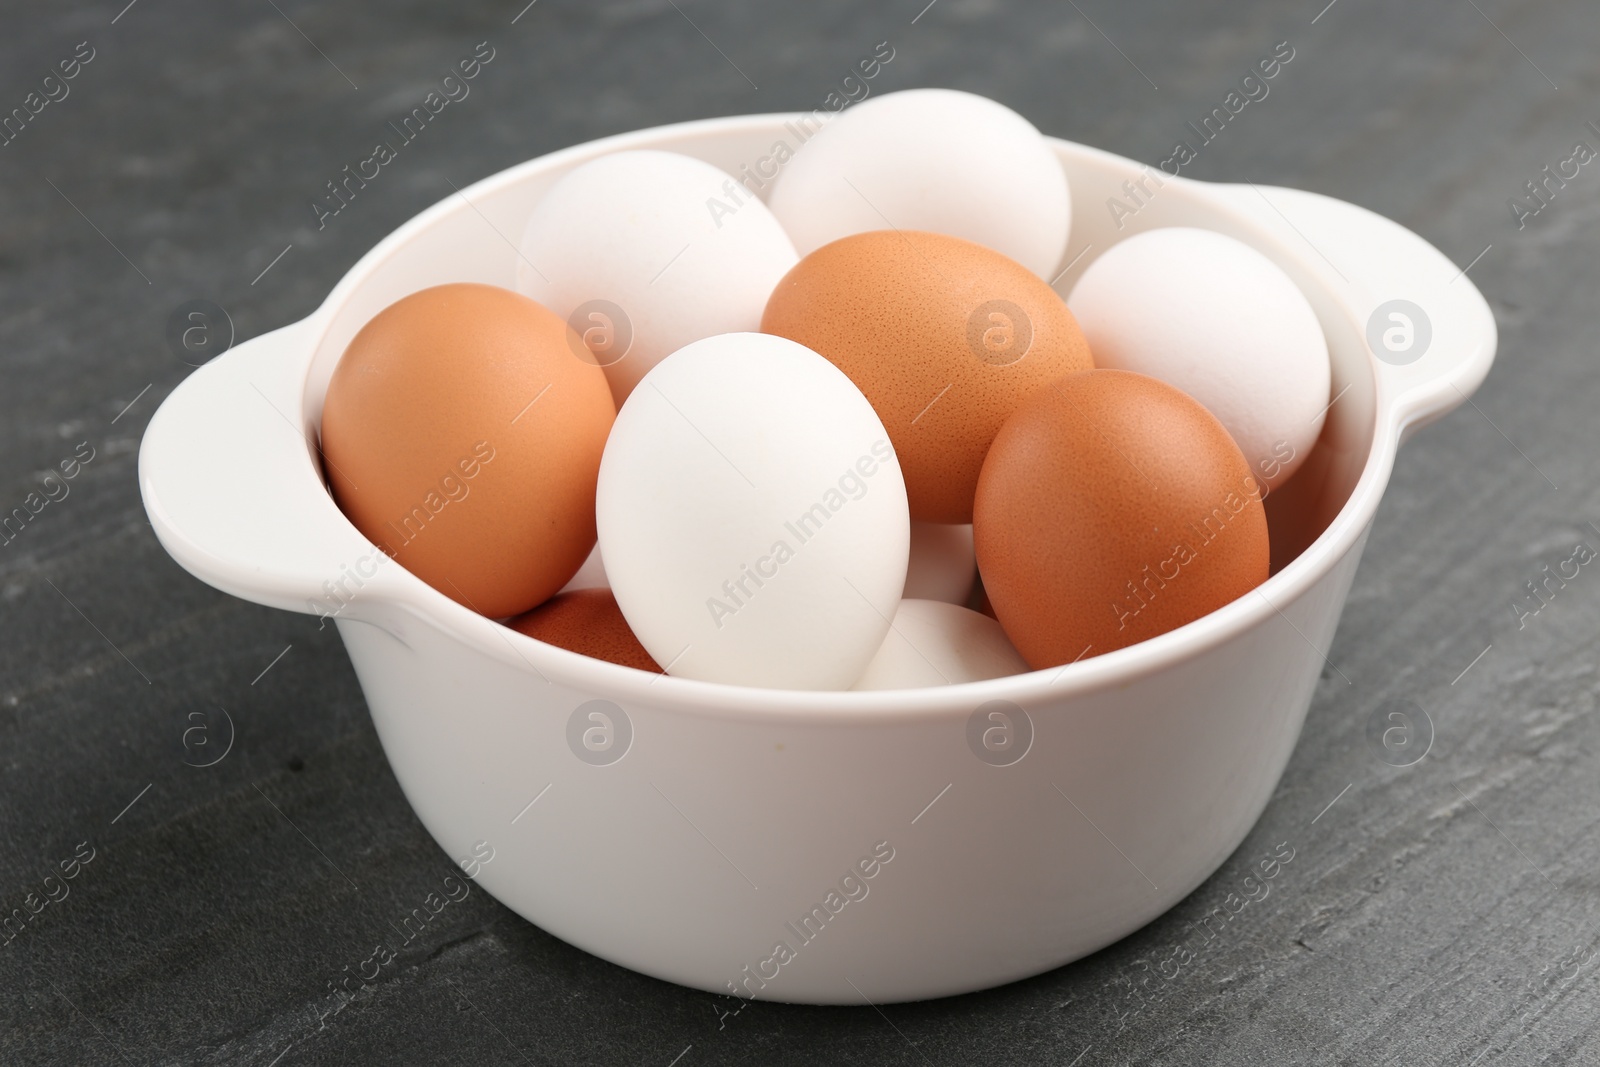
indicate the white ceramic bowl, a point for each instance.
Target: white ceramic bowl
{"x":733,"y":812}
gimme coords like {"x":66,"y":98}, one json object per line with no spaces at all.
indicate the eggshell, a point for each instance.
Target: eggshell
{"x":586,"y":621}
{"x":645,"y":251}
{"x":942,"y":565}
{"x":462,"y":438}
{"x":753,"y":516}
{"x":945,"y":337}
{"x":1113,"y":508}
{"x":1209,"y":314}
{"x":935,"y":643}
{"x":930,"y":159}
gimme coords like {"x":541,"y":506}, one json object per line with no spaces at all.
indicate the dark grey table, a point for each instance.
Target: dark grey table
{"x":1441,"y":913}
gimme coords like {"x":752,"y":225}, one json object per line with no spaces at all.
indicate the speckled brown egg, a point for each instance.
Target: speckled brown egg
{"x":1113,"y":508}
{"x":462,"y":437}
{"x":586,"y":621}
{"x":946,"y":339}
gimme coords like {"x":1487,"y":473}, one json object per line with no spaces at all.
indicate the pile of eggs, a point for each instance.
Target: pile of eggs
{"x":795,"y":427}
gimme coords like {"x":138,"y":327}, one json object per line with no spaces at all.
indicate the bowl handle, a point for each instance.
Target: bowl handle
{"x":228,"y":470}
{"x":1430,"y":334}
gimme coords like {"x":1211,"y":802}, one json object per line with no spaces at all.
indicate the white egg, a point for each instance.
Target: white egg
{"x":943,"y":566}
{"x":1217,"y":319}
{"x":753,"y":516}
{"x":935,"y":160}
{"x":935,"y":643}
{"x":646,"y":251}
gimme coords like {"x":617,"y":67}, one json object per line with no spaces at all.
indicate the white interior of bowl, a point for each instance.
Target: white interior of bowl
{"x":472,"y":237}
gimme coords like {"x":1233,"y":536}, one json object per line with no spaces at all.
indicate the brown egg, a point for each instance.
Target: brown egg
{"x":1112,"y":508}
{"x":586,"y":621}
{"x":463,"y":437}
{"x":946,"y":339}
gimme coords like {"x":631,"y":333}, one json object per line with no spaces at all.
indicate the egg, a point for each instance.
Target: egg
{"x":461,"y":437}
{"x":942,"y":566}
{"x":945,"y":337}
{"x":930,"y":159}
{"x":935,"y":643}
{"x":753,"y":516}
{"x":645,"y":251}
{"x":1212,"y":316}
{"x":586,"y":621}
{"x":1113,"y":508}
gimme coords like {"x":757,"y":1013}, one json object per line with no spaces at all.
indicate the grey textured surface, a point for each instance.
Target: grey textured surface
{"x":1444,"y":913}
